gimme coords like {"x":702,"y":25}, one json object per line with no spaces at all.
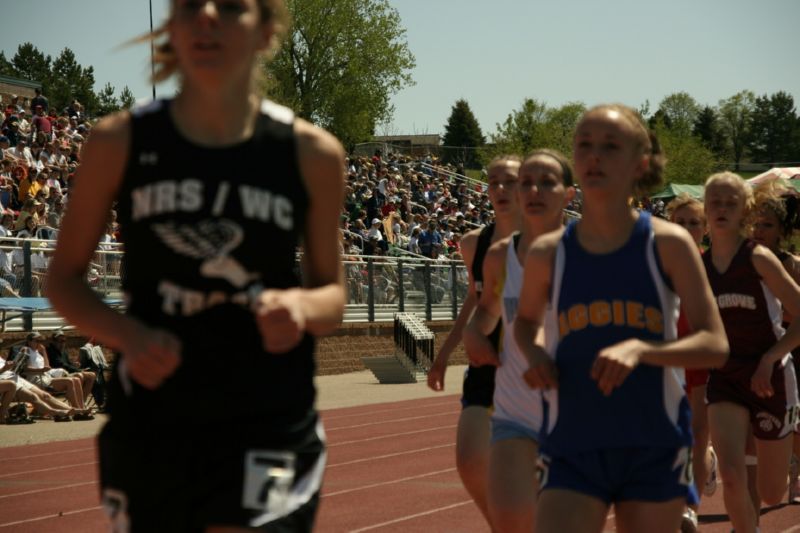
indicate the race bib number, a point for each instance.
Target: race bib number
{"x":115,"y":505}
{"x":268,"y":478}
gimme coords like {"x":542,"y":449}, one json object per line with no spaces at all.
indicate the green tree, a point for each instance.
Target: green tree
{"x":773,"y":129}
{"x":72,"y":81}
{"x":6,"y":68}
{"x":522,"y":131}
{"x":736,"y":116}
{"x":659,"y":118}
{"x":31,"y":64}
{"x":341,"y":63}
{"x":706,"y":127}
{"x":462,"y":136}
{"x":126,"y":98}
{"x":106,"y":101}
{"x":688,"y":160}
{"x":680,"y":111}
{"x":559,"y":127}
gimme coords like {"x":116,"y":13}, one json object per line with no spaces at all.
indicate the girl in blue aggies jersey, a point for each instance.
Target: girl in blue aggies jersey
{"x":545,"y":188}
{"x":606,"y":289}
{"x":216,"y":189}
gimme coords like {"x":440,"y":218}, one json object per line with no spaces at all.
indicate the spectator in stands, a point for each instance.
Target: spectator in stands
{"x":59,"y":358}
{"x":40,"y":122}
{"x":24,"y":127}
{"x":92,"y":358}
{"x":413,"y":243}
{"x":374,"y":203}
{"x":25,"y":391}
{"x":8,"y":389}
{"x":26,"y":180}
{"x":39,"y":101}
{"x":374,"y":232}
{"x":40,"y":373}
{"x":429,"y":239}
{"x":6,"y":223}
{"x":29,"y":231}
{"x":20,"y":150}
{"x":11,"y":130}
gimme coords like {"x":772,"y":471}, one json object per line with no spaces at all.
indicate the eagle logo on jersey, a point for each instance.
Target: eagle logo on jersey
{"x":210,"y":240}
{"x":767,"y":421}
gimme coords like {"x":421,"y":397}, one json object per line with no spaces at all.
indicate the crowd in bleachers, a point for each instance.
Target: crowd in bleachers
{"x":51,"y":380}
{"x":40,"y":149}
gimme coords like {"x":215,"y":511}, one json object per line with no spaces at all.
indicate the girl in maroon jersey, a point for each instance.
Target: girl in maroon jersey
{"x":756,"y":386}
{"x":776,"y":215}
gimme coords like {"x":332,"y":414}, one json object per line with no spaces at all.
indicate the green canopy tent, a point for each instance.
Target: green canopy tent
{"x":674,"y":189}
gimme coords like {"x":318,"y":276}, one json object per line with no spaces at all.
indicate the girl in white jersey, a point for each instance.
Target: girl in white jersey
{"x":545,"y":188}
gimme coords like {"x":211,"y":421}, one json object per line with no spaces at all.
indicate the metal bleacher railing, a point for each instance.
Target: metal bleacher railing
{"x":376,"y":287}
{"x":23,"y":274}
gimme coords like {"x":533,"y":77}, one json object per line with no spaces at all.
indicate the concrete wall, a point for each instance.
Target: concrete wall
{"x":342,"y":352}
{"x":339,"y":353}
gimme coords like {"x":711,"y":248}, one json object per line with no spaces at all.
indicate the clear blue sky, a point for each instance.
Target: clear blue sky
{"x":494,"y":54}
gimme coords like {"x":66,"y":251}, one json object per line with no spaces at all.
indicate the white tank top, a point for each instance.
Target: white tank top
{"x":514,"y":400}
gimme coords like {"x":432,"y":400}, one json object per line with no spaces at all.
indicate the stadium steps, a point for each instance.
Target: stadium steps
{"x":390,"y":369}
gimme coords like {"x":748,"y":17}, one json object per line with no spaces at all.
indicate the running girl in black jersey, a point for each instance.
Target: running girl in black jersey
{"x":215,"y":190}
{"x":473,"y":436}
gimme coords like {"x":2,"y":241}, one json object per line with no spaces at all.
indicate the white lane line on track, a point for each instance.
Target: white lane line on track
{"x":61,"y":467}
{"x":392,"y":482}
{"x":38,"y":518}
{"x":393,"y":410}
{"x":411,"y":517}
{"x":389,"y":455}
{"x":791,"y":529}
{"x":72,"y":486}
{"x":46,"y":454}
{"x":369,"y":439}
{"x":390,"y":421}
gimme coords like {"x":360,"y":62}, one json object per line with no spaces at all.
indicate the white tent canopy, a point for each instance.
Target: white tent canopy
{"x":786,"y":173}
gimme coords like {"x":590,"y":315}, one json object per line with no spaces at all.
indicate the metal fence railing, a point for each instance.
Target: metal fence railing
{"x":376,"y":287}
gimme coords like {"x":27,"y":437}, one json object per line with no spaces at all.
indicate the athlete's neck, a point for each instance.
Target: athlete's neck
{"x":532,"y":229}
{"x":604,"y":228}
{"x":505,"y":225}
{"x":724,"y":245}
{"x":215,"y":119}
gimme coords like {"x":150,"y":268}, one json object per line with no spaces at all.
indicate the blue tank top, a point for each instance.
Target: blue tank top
{"x":599,"y":300}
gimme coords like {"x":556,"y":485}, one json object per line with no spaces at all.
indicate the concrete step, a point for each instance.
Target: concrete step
{"x":389,"y":369}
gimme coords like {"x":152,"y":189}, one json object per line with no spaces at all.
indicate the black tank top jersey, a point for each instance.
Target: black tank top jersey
{"x":749,"y":311}
{"x":484,"y":242}
{"x":204,"y":230}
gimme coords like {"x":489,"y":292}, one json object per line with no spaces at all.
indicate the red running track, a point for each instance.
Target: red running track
{"x":391,"y":468}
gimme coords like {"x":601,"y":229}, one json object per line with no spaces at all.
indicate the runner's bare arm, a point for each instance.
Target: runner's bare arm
{"x":785,"y":289}
{"x":151,"y":355}
{"x":436,"y":374}
{"x":92,"y":191}
{"x":487,"y":312}
{"x":533,"y":301}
